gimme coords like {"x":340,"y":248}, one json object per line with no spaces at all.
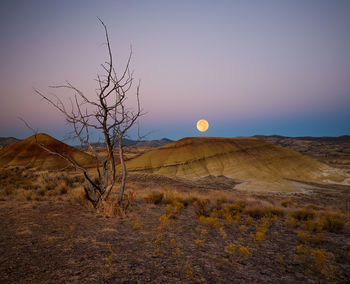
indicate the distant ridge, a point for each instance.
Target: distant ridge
{"x":28,"y":153}
{"x":343,"y":138}
{"x":137,"y":143}
{"x":6,"y":141}
{"x":248,"y":159}
{"x":153,"y":143}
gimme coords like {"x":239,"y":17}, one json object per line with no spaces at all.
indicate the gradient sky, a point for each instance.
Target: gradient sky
{"x":248,"y":67}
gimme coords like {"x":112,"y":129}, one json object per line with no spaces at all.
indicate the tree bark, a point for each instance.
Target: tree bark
{"x":124,"y":171}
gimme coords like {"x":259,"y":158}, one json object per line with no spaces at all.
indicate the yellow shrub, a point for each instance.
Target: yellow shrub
{"x":333,"y":223}
{"x":291,"y":222}
{"x":173,"y":209}
{"x":136,"y":224}
{"x":260,"y":236}
{"x":304,"y":237}
{"x":301,"y":250}
{"x":303,"y":214}
{"x":164,"y":220}
{"x":223,"y":234}
{"x":204,"y":232}
{"x":244,"y":250}
{"x":322,"y":259}
{"x":242,"y":228}
{"x":230,"y":249}
{"x":198,"y":243}
{"x":210,"y":222}
{"x":176,"y":253}
{"x":248,"y":220}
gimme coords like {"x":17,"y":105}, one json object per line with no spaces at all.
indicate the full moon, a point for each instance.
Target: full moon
{"x":202,"y":125}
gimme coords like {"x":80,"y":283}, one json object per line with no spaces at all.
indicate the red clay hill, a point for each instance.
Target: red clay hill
{"x":28,"y":153}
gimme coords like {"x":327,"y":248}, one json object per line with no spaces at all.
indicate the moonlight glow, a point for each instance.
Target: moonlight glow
{"x":202,"y":125}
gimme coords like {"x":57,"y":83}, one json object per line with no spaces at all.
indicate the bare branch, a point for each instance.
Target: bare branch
{"x":107,"y":114}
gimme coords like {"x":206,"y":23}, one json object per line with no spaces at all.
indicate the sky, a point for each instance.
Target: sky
{"x":247,"y":67}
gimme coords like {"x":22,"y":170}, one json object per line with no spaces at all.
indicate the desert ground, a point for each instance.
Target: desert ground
{"x":175,"y":229}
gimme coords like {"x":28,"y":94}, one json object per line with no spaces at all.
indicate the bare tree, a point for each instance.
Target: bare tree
{"x":107,"y":114}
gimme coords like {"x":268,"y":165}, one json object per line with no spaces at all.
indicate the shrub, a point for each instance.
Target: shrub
{"x":136,"y":224}
{"x":333,"y":223}
{"x":304,"y":237}
{"x":172,"y":199}
{"x":112,"y":207}
{"x":202,"y":207}
{"x":174,"y":209}
{"x":256,"y":212}
{"x":223,"y":233}
{"x":188,"y":200}
{"x":62,"y":188}
{"x":71,"y":181}
{"x":77,"y":196}
{"x":198,"y":243}
{"x":287,"y":203}
{"x":243,"y":250}
{"x":49,"y":182}
{"x":154,"y":197}
{"x":303,"y":214}
{"x":210,"y":222}
{"x":236,"y":207}
{"x":313,"y":226}
{"x":322,"y":259}
{"x":221,"y":200}
{"x":259,"y":212}
{"x":230,"y":249}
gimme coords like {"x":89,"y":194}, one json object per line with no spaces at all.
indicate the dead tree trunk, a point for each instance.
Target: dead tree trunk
{"x":107,"y":115}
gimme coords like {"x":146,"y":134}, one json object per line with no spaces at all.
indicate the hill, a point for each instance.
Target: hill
{"x":259,"y":163}
{"x":334,"y":151}
{"x":28,"y":153}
